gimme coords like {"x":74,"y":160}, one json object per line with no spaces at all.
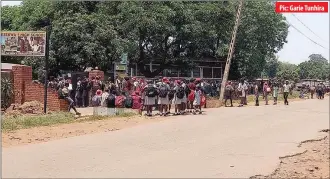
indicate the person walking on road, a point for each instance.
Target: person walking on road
{"x":256,"y":92}
{"x":242,"y":90}
{"x":275,"y":92}
{"x":286,"y":91}
{"x":266,"y":91}
{"x":228,"y":94}
{"x":312,"y":91}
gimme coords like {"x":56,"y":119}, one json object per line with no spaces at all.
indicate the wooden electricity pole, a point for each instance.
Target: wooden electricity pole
{"x":230,"y":52}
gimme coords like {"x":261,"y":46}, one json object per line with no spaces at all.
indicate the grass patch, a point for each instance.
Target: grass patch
{"x":295,"y":95}
{"x":16,"y":122}
{"x":213,"y":102}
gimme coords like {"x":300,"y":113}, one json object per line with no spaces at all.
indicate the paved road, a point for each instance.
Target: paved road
{"x":212,"y":145}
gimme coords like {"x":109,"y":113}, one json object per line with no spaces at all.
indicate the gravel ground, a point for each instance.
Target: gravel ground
{"x":313,"y":162}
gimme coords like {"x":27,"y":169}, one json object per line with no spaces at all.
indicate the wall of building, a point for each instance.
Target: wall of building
{"x":25,"y":90}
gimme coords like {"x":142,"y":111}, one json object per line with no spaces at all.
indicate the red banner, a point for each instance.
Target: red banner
{"x":302,"y":7}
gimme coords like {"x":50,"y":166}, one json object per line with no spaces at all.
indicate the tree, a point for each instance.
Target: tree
{"x":90,"y":34}
{"x":272,"y":66}
{"x":287,"y":71}
{"x":317,"y":67}
{"x":262,"y":33}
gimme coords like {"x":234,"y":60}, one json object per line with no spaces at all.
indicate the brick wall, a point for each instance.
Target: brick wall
{"x":21,"y":75}
{"x":36,"y":92}
{"x":96,"y":73}
{"x":25,"y":90}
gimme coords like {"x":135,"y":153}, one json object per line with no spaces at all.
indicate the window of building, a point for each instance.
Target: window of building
{"x":207,"y":72}
{"x":171,"y":72}
{"x":217,"y":72}
{"x":196,"y":72}
{"x":184,"y":73}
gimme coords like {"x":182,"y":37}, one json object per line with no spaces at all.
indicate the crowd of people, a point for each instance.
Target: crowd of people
{"x":145,"y":95}
{"x":164,"y":94}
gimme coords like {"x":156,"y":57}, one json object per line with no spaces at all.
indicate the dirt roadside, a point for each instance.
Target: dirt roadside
{"x":49,"y":133}
{"x":313,"y":162}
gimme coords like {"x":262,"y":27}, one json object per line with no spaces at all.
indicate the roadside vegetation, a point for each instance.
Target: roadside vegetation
{"x":16,"y":122}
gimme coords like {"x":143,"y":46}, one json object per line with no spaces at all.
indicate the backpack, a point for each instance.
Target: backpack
{"x":151,"y":91}
{"x":111,"y":101}
{"x":181,"y":92}
{"x":119,"y":101}
{"x":171,"y":94}
{"x":128,"y":102}
{"x":136,"y":102}
{"x":187,"y":90}
{"x":60,"y":94}
{"x":191,"y":95}
{"x":163,"y":91}
{"x":96,"y":101}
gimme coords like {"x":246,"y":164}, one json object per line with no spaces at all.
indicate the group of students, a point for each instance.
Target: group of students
{"x":266,"y":90}
{"x":318,"y":90}
{"x":185,"y":96}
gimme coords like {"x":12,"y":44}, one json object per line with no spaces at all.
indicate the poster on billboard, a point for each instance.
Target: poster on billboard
{"x":23,"y":43}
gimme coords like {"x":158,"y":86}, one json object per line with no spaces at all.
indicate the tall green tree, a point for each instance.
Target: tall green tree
{"x":317,"y":67}
{"x":272,"y":66}
{"x":261,"y":34}
{"x":89,"y":34}
{"x":287,"y":71}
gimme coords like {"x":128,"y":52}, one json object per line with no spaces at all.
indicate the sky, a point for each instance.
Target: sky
{"x":298,"y":47}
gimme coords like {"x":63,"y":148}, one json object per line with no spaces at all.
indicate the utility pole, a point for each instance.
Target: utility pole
{"x":230,"y":52}
{"x":48,"y":31}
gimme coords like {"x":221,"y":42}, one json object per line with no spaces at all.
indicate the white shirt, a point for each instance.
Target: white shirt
{"x":103,"y":99}
{"x":286,"y":88}
{"x":136,"y":83}
{"x":242,"y":87}
{"x":70,"y":86}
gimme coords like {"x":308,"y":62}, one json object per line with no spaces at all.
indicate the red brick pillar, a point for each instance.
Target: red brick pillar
{"x":96,"y":73}
{"x":21,"y":75}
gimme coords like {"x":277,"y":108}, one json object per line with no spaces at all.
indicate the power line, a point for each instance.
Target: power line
{"x":308,"y":27}
{"x":306,"y":35}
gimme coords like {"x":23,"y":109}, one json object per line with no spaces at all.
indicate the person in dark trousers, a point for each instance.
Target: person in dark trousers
{"x":228,"y":94}
{"x":85,"y":87}
{"x":286,"y":91}
{"x":79,"y":91}
{"x":66,"y":92}
{"x":256,"y":93}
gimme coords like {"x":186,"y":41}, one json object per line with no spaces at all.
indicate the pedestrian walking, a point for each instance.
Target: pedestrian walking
{"x":286,"y":91}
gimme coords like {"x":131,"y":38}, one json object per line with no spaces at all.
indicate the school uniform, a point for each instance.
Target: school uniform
{"x":164,"y":101}
{"x":176,"y":100}
{"x":184,"y":99}
{"x":149,"y":101}
{"x":197,"y":100}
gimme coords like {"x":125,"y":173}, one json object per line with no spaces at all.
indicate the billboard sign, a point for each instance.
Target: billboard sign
{"x":23,"y":43}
